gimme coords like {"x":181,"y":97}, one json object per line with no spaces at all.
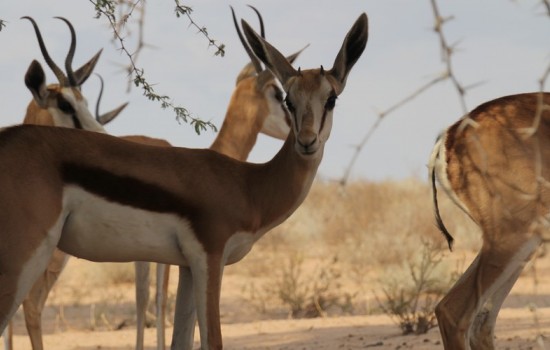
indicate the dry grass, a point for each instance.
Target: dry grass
{"x":373,"y":230}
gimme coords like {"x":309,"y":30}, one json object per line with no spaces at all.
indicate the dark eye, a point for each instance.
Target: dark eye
{"x":278,"y":94}
{"x":64,"y":105}
{"x":289,"y":105}
{"x":331,"y":101}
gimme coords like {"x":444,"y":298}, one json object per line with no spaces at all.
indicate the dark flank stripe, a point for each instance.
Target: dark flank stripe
{"x":125,"y":190}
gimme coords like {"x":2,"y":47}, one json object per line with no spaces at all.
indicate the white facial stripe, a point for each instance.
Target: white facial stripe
{"x":86,"y":119}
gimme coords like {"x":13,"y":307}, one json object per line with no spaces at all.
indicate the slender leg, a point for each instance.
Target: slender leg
{"x":185,"y":314}
{"x":489,"y":272}
{"x":8,"y":337}
{"x":36,"y":299}
{"x":207,"y":296}
{"x":142,"y":299}
{"x":163,"y":274}
{"x":483,"y":327}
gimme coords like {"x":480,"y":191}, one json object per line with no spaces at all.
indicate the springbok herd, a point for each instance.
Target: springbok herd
{"x":68,"y":188}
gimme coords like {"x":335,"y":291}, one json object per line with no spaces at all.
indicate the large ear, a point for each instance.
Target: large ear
{"x":83,"y":73}
{"x":249,"y":70}
{"x":353,"y":46}
{"x":35,"y":80}
{"x":269,"y":55}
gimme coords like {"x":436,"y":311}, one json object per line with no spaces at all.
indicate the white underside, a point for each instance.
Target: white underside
{"x":99,"y":230}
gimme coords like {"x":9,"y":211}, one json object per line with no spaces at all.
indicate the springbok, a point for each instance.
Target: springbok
{"x":102,"y":198}
{"x":62,"y":105}
{"x":255,"y":107}
{"x":494,"y":165}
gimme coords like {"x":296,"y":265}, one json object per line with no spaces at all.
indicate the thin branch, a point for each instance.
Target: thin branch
{"x":182,"y":10}
{"x":546,"y":4}
{"x":381,"y":116}
{"x":2,"y":24}
{"x":106,"y":8}
{"x":446,"y":55}
{"x":447,"y":52}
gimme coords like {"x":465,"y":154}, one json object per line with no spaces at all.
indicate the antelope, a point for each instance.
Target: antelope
{"x":494,"y":165}
{"x":60,"y":104}
{"x":98,"y":197}
{"x":255,"y":106}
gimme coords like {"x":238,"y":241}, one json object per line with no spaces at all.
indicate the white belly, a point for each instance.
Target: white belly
{"x":99,"y":230}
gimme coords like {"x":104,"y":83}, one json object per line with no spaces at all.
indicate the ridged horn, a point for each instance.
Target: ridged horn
{"x":70,"y":55}
{"x":61,"y":77}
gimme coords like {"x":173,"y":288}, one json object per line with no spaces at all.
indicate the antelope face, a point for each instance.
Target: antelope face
{"x":277,"y":119}
{"x":65,"y":104}
{"x":310,"y":101}
{"x":311,"y":94}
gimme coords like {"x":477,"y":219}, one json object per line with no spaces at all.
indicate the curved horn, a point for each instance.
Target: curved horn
{"x":255,"y":61}
{"x":56,"y":70}
{"x":70,"y":54}
{"x":109,"y":116}
{"x":262,"y":30}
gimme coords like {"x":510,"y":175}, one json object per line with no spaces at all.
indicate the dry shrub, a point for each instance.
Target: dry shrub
{"x":369,"y":225}
{"x":412,"y":290}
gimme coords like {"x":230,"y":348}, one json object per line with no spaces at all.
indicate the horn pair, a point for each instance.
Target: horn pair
{"x":72,"y":79}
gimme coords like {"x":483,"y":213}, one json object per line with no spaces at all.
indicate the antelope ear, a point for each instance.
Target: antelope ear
{"x":353,"y":46}
{"x":295,"y":55}
{"x":270,"y":56}
{"x":83,"y":73}
{"x":249,"y":70}
{"x":35,"y":80}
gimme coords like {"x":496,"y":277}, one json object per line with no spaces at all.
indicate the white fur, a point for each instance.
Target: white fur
{"x":438,"y":162}
{"x":100,"y":230}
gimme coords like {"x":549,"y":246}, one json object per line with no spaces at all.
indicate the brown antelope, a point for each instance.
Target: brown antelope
{"x":102,"y":198}
{"x":256,"y":106}
{"x":495,"y":165}
{"x":62,"y":105}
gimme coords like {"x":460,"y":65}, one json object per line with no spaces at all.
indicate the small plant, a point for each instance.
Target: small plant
{"x":411,"y":299}
{"x":305,"y":294}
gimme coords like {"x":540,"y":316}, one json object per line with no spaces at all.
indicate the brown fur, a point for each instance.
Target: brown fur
{"x":491,"y":167}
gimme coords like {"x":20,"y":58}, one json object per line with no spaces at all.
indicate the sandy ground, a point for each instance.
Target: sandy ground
{"x":516,"y":330}
{"x":68,"y":324}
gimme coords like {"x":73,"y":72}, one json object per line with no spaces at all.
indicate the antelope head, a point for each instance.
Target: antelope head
{"x":60,"y":104}
{"x":311,"y":94}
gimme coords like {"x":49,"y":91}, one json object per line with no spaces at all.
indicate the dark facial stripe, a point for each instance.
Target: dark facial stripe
{"x":76,"y":122}
{"x":125,"y":190}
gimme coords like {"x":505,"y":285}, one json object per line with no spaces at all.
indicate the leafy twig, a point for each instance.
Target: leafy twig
{"x":182,"y":10}
{"x":107,"y":8}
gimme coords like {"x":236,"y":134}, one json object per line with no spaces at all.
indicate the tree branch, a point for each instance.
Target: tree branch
{"x":107,"y":8}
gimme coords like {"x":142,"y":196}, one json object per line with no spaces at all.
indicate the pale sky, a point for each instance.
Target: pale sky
{"x":502,"y":45}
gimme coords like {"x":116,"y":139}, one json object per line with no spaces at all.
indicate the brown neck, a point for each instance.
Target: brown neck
{"x":279,"y":186}
{"x":243,"y":121}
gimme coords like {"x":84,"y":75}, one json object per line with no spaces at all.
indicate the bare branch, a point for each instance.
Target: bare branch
{"x":381,"y":115}
{"x":2,"y":24}
{"x":446,"y":55}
